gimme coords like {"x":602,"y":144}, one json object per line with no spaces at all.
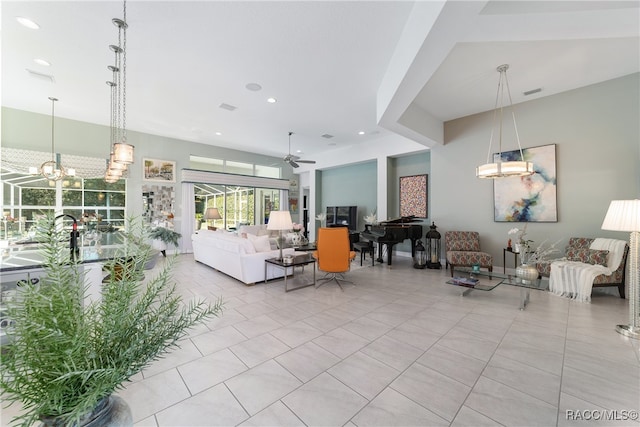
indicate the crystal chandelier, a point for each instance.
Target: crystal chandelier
{"x":52,"y":169}
{"x":499,"y":168}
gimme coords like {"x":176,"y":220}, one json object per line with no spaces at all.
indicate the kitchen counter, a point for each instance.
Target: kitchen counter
{"x":24,"y":256}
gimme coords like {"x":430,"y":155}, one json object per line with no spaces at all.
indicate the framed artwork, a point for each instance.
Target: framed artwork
{"x":293,"y":205}
{"x":528,"y":198}
{"x":413,"y":196}
{"x":159,"y":170}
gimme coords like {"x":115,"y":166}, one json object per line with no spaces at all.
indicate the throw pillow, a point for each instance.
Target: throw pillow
{"x":261,"y":243}
{"x":588,"y":256}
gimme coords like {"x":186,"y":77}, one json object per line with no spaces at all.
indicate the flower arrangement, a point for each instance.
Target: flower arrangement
{"x":540,"y":254}
{"x":371,"y":219}
{"x":91,"y":220}
{"x":298,"y":228}
{"x":322,"y":217}
{"x":522,"y":244}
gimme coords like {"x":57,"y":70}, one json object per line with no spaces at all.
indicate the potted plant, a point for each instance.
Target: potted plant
{"x":166,"y":236}
{"x":67,"y":354}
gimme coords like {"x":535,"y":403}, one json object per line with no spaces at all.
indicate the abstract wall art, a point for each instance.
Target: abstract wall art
{"x":413,"y":196}
{"x":528,"y":198}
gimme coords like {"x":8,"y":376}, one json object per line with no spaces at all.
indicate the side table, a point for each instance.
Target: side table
{"x":298,"y":261}
{"x":505,"y":251}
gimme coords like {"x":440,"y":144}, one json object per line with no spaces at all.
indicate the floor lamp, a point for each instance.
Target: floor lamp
{"x":211,"y":213}
{"x":280,"y":220}
{"x":624,"y":215}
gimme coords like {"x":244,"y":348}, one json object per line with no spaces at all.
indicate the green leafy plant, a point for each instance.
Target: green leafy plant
{"x":165,"y":235}
{"x":65,"y":353}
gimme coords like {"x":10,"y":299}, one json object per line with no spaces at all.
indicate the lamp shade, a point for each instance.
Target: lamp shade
{"x":623,"y":215}
{"x":280,"y":220}
{"x":123,"y":153}
{"x":212,"y":213}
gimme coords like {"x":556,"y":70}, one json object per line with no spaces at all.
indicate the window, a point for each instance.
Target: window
{"x":231,"y":167}
{"x":25,"y":198}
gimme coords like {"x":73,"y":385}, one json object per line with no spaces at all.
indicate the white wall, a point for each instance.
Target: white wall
{"x":598,"y":160}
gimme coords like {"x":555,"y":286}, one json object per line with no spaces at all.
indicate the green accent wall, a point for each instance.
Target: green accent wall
{"x":353,"y":185}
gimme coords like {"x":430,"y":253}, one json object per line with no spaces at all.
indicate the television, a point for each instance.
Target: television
{"x":341,"y":216}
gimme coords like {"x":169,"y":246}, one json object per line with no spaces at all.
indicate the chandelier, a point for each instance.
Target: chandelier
{"x":52,"y":169}
{"x":121,"y":154}
{"x":499,"y":168}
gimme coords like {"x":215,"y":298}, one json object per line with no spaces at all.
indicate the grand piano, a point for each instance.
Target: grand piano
{"x":392,"y":232}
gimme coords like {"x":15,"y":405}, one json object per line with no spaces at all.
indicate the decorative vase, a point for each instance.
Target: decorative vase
{"x":527,"y":273}
{"x":516,"y":248}
{"x":296,"y":239}
{"x":112,"y":411}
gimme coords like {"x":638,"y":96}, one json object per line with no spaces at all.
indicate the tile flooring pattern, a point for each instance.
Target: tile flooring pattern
{"x":400,"y":348}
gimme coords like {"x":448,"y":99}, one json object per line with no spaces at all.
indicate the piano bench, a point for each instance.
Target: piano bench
{"x":363,"y":248}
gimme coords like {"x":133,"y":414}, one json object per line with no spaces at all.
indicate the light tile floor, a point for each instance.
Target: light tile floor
{"x":400,"y":348}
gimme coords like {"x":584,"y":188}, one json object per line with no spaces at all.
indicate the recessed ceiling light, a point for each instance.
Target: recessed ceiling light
{"x":361,"y":132}
{"x":272,"y":100}
{"x":42,"y":62}
{"x":226,"y":106}
{"x":532,"y":91}
{"x":218,"y":133}
{"x":27,"y":22}
{"x":254,"y":87}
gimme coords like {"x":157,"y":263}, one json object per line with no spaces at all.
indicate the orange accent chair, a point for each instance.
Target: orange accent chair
{"x":334,"y":254}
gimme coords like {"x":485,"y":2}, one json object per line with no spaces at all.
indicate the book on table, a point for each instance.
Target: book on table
{"x":464,"y":281}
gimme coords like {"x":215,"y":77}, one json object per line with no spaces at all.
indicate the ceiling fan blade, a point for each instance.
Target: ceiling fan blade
{"x":305,"y":161}
{"x":293,"y":164}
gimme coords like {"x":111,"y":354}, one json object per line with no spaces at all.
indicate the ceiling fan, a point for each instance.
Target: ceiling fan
{"x":294,"y":160}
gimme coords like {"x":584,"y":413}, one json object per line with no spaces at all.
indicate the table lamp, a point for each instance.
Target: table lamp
{"x":211,"y":213}
{"x":280,"y":220}
{"x":624,"y":215}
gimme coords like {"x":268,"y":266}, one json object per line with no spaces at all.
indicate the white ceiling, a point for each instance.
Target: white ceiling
{"x":333,"y":65}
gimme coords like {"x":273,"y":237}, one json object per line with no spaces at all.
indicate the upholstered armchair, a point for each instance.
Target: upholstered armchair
{"x":463,"y":250}
{"x":579,"y":250}
{"x":334,"y":254}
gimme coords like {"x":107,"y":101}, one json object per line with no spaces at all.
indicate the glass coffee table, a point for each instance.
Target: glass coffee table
{"x":487,"y":281}
{"x":296,"y":261}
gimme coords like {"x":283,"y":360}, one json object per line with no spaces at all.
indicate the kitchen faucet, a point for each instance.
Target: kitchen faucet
{"x":73,"y":238}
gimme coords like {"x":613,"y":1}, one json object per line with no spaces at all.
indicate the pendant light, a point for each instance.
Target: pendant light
{"x":122,"y":151}
{"x":499,"y":168}
{"x":114,"y":170}
{"x":53,"y":169}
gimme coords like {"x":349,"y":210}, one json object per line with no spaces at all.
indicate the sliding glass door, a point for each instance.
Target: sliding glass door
{"x":237,"y":205}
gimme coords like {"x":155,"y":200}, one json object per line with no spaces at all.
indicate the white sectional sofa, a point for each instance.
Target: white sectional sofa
{"x":240,"y":258}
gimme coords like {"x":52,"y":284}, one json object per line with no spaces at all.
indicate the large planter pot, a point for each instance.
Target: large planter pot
{"x":112,"y":411}
{"x":527,"y":273}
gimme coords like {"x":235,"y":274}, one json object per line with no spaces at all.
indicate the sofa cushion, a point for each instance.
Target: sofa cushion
{"x":578,"y":243}
{"x":260,"y":243}
{"x":588,"y":256}
{"x":467,"y":258}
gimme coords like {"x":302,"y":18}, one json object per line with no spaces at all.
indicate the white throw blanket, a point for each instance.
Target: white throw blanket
{"x":574,"y":279}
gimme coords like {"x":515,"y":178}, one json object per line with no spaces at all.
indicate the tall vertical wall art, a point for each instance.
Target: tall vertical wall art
{"x":528,"y":198}
{"x":413,"y":196}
